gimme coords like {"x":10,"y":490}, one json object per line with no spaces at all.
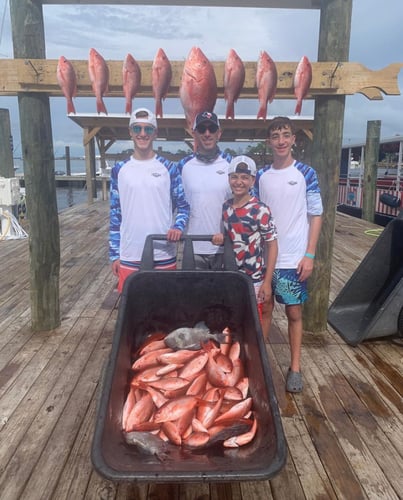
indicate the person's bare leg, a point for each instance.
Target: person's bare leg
{"x":295,"y":329}
{"x":267,"y":315}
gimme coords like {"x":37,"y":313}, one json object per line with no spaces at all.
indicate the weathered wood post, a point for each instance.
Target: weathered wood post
{"x":68,"y":160}
{"x":89,"y":146}
{"x":370,"y":170}
{"x":37,"y":150}
{"x":6,"y":150}
{"x":334,"y":40}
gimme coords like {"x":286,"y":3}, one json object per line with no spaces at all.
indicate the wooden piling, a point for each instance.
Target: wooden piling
{"x":6,"y":149}
{"x":370,"y":170}
{"x":334,"y":40}
{"x":39,"y":171}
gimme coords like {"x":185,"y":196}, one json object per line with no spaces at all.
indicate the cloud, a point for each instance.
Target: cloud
{"x":71,"y":30}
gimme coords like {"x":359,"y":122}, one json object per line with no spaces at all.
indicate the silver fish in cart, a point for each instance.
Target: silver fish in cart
{"x":192,"y":338}
{"x":148,"y":443}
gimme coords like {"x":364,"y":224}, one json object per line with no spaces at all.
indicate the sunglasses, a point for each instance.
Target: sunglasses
{"x":148,"y":130}
{"x":211,"y":128}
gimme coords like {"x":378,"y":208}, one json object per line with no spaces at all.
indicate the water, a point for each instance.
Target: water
{"x":66,"y":196}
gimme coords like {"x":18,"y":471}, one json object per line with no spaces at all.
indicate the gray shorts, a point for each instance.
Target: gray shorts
{"x":209,"y":262}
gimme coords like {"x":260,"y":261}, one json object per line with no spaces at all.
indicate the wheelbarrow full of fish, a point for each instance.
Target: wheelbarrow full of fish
{"x":183,"y":325}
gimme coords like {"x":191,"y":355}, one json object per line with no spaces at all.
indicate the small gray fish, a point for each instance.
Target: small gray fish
{"x":148,"y":443}
{"x":192,"y":338}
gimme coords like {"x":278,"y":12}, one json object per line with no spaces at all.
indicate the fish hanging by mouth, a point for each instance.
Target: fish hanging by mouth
{"x":67,"y":79}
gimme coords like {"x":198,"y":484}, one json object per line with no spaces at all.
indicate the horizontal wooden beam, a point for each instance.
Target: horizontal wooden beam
{"x":329,"y":78}
{"x":280,"y":4}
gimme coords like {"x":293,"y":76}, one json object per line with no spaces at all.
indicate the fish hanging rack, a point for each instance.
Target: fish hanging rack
{"x":328,"y":78}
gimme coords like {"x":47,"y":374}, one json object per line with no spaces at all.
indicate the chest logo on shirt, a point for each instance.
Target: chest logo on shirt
{"x":156,"y":174}
{"x":220,"y":172}
{"x":292,"y":183}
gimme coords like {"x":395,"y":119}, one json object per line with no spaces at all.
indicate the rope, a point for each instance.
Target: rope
{"x":13,"y":230}
{"x":4,"y":234}
{"x":373,"y":232}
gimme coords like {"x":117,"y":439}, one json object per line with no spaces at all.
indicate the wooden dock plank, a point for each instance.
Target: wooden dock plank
{"x":353,"y":445}
{"x":44,"y":477}
{"x":344,"y":432}
{"x":325,"y":441}
{"x":351,"y":392}
{"x":35,"y":427}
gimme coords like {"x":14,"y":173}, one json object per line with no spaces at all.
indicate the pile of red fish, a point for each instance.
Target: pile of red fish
{"x":190,"y":398}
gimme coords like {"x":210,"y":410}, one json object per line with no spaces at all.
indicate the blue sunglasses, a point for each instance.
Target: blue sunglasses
{"x":148,"y":130}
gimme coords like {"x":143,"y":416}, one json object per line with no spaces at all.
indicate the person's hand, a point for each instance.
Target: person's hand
{"x":305,"y":268}
{"x":218,"y":239}
{"x":115,"y":267}
{"x":174,"y":234}
{"x":265,"y":292}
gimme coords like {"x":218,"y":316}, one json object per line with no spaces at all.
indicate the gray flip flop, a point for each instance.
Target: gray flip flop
{"x":294,"y":381}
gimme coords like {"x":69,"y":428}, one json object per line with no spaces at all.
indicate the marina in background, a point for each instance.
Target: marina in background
{"x":389,"y":181}
{"x":389,"y":184}
{"x":67,"y":195}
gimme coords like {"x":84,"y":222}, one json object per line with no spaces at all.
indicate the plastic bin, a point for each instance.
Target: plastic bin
{"x":182,"y":298}
{"x":371,"y":303}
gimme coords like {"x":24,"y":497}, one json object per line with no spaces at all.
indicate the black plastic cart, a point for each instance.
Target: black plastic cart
{"x":175,"y":299}
{"x":371,"y":303}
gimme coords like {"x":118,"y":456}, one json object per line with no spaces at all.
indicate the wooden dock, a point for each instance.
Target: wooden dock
{"x":344,"y":432}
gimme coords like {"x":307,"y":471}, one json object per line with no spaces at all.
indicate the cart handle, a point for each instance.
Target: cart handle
{"x":188,"y":262}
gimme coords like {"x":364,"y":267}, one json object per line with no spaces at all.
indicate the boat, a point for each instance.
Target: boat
{"x":389,"y":183}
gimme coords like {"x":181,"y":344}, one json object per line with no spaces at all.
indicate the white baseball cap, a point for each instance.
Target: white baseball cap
{"x":149,"y":117}
{"x":242,"y":165}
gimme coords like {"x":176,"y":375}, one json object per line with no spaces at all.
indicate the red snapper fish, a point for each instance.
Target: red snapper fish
{"x":198,"y":88}
{"x":131,"y":74}
{"x":266,"y":82}
{"x":161,"y":75}
{"x":302,"y":82}
{"x":234,"y":77}
{"x":99,"y":77}
{"x":66,"y":77}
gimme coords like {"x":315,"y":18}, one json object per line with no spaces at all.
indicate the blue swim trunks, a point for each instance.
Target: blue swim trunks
{"x":287,"y":289}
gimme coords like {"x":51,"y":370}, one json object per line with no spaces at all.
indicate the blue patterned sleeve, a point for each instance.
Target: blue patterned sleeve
{"x":313,"y":197}
{"x":179,"y":202}
{"x":115,"y":214}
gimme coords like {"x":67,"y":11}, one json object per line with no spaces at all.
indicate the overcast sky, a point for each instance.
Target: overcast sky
{"x":376,"y":41}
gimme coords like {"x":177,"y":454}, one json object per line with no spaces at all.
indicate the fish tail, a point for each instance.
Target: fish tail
{"x":158,"y":108}
{"x":262,"y":113}
{"x":230,"y":110}
{"x":70,"y":107}
{"x":128,"y":108}
{"x":222,"y":338}
{"x":101,"y":106}
{"x":298,"y":107}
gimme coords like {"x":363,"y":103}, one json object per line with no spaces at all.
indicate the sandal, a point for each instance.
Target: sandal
{"x":294,"y":381}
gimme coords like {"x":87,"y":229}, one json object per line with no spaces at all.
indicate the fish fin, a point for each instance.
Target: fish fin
{"x":101,"y":106}
{"x":201,"y":325}
{"x":298,"y":108}
{"x":158,"y":108}
{"x":128,"y":108}
{"x":262,"y":113}
{"x":70,"y":107}
{"x":222,"y":338}
{"x":230,"y":110}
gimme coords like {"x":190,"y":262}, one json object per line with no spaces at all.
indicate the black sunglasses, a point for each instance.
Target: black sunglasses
{"x":212,"y":128}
